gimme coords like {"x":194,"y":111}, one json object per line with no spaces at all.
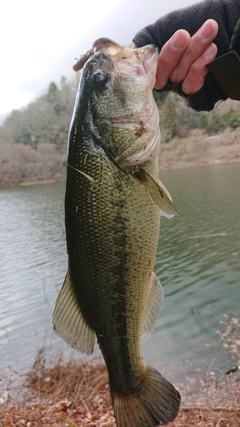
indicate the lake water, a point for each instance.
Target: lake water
{"x":198,"y":263}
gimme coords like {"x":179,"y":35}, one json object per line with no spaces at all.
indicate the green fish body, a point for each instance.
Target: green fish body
{"x":112,"y":214}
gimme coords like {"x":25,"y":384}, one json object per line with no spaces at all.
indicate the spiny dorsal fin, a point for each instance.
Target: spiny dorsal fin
{"x":68,"y":321}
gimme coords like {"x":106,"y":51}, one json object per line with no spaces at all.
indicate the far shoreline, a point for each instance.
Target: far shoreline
{"x":198,"y":150}
{"x":176,"y":166}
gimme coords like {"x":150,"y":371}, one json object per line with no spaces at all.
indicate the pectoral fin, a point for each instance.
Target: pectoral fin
{"x":68,"y":321}
{"x":153,"y":307}
{"x":158,"y":192}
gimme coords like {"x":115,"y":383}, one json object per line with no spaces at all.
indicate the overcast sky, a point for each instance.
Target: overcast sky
{"x":39,"y":40}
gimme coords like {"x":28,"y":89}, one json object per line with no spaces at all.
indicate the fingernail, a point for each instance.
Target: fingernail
{"x":206,"y":30}
{"x":210,"y":50}
{"x":180,"y":39}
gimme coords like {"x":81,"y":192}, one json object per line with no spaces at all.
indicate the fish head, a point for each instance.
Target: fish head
{"x":115,"y":103}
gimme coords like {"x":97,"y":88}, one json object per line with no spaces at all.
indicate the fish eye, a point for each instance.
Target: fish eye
{"x":100,"y":79}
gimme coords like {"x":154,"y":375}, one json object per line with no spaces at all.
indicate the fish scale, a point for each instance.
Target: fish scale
{"x":91,"y":243}
{"x":112,"y":216}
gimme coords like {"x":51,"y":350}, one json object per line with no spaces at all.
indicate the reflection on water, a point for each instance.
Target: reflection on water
{"x":198,"y":263}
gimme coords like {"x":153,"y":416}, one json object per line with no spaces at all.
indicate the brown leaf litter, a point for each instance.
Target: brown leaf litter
{"x":76,"y":393}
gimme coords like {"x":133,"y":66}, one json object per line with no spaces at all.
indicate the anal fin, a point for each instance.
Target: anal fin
{"x":68,"y":321}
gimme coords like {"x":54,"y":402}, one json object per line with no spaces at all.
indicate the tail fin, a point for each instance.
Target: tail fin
{"x":156,"y":403}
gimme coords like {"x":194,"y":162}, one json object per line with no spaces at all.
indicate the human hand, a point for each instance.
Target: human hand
{"x":183,"y":58}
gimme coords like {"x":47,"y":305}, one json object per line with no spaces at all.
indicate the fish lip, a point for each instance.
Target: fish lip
{"x":128,"y":64}
{"x":104,"y":43}
{"x":145,"y":58}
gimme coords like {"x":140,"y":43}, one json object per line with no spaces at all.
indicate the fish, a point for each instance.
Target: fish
{"x":113,"y":203}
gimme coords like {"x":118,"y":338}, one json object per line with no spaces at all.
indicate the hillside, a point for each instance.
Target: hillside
{"x":21,"y":165}
{"x":200,"y":149}
{"x":33,"y":140}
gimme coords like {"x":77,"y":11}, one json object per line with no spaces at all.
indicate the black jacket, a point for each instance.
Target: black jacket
{"x":225,"y":12}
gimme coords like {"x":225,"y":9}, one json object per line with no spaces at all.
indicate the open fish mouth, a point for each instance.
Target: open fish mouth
{"x":112,"y":218}
{"x":137,"y":62}
{"x":141,"y":60}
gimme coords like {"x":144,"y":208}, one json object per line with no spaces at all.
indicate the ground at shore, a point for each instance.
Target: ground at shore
{"x":23,"y":165}
{"x":76,"y":393}
{"x":200,"y":150}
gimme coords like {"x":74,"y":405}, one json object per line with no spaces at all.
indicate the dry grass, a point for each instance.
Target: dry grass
{"x":76,"y":393}
{"x":66,"y":394}
{"x":200,"y":150}
{"x":20,"y":164}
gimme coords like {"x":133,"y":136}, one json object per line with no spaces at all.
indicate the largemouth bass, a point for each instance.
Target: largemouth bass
{"x":112,"y":214}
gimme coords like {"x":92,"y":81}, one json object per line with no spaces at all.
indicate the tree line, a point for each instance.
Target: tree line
{"x":177,"y":120}
{"x":33,"y":139}
{"x":45,"y":120}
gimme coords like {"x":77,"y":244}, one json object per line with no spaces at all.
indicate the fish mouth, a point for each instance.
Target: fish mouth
{"x":127,"y":61}
{"x":134,"y":70}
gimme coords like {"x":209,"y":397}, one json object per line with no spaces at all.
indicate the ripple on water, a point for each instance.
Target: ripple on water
{"x":198,"y":263}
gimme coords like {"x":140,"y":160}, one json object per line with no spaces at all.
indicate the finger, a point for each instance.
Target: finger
{"x":170,"y":55}
{"x":197,"y":72}
{"x":198,"y":44}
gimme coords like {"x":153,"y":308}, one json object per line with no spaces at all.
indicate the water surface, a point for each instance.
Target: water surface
{"x":198,"y":263}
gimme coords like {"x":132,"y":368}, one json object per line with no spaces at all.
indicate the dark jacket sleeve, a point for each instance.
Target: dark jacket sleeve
{"x":225,"y":12}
